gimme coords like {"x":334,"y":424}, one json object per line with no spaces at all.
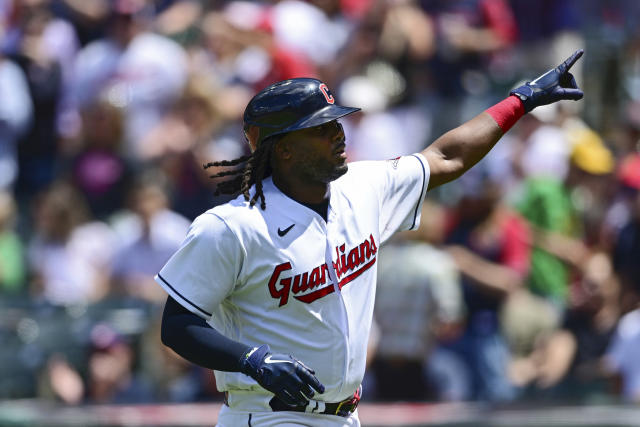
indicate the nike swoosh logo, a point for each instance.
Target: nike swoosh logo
{"x":281,"y":233}
{"x":268,"y":359}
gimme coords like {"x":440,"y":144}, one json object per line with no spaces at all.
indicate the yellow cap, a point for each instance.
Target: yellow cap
{"x":589,"y":152}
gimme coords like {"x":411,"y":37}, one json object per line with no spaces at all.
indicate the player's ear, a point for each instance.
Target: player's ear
{"x":282,"y":148}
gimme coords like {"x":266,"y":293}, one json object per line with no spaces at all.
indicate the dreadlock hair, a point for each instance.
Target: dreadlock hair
{"x":257,"y":167}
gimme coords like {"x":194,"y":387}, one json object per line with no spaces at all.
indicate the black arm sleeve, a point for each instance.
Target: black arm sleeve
{"x":192,"y":338}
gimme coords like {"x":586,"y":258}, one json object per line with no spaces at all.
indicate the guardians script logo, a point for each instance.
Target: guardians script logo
{"x":348,"y":266}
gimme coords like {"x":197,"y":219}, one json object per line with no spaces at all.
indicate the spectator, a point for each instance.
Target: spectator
{"x":545,"y":147}
{"x":99,"y":170}
{"x":546,"y":35}
{"x":621,"y":358}
{"x":626,"y":250}
{"x":621,"y":207}
{"x":382,"y":71}
{"x":12,"y":267}
{"x":549,"y":203}
{"x":149,"y":235}
{"x":69,"y":255}
{"x":15,"y":116}
{"x":490,"y":244}
{"x":195,"y":129}
{"x":418,"y":297}
{"x":60,"y":381}
{"x":296,"y":25}
{"x":110,"y":378}
{"x":245,"y":50}
{"x":566,"y":361}
{"x":139,"y":71}
{"x":379,"y":123}
{"x":179,"y":20}
{"x":89,"y":18}
{"x":189,"y":123}
{"x":45,"y":49}
{"x":470,"y":36}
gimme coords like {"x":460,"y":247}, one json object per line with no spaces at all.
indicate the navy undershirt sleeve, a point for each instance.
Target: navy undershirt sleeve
{"x":195,"y":340}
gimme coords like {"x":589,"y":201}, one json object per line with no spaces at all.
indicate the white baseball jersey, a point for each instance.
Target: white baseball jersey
{"x":284,"y":276}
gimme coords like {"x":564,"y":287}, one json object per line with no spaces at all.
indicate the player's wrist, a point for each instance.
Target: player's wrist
{"x":525,"y":94}
{"x":507,"y":112}
{"x":252,"y":358}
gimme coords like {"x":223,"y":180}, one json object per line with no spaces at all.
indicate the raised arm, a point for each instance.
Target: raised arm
{"x":458,"y":150}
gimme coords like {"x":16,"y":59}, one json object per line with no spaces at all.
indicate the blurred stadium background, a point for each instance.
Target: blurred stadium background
{"x":515,"y":304}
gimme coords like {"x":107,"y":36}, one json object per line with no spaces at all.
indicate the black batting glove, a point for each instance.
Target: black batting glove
{"x":289,"y":379}
{"x":554,"y":85}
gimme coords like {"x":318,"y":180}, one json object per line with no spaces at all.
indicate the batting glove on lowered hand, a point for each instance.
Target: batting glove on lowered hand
{"x":289,"y":379}
{"x":554,"y":85}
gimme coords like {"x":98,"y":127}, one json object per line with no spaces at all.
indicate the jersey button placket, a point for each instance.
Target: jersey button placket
{"x":331,"y":245}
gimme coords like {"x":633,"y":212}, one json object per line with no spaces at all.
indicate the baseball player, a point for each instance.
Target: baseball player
{"x":275,"y":290}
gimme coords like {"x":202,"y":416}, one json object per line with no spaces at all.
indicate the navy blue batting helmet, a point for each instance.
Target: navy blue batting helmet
{"x":290,"y":105}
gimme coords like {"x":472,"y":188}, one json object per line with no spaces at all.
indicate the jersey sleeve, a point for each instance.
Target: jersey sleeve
{"x":205,"y":268}
{"x":401,"y":185}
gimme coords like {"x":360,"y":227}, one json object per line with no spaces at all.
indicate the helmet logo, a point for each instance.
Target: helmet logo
{"x":325,"y":91}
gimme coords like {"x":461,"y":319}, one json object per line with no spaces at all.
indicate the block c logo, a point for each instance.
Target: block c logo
{"x":325,"y":91}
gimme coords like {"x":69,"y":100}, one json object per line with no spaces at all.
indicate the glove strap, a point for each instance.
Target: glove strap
{"x":507,"y":112}
{"x":252,"y":359}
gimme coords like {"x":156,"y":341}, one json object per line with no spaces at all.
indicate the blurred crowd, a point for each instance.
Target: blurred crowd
{"x":523,"y":281}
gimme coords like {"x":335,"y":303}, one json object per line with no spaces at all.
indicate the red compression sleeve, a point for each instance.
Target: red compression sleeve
{"x":507,"y":112}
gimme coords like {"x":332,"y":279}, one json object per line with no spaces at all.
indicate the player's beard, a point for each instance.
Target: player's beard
{"x":337,"y":172}
{"x":324,"y":171}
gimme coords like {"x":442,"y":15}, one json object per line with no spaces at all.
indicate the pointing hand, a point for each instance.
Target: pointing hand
{"x":554,"y":85}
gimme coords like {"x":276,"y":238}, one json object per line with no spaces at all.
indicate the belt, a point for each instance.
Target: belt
{"x":342,"y":409}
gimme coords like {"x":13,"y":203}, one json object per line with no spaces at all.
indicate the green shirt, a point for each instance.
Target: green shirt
{"x":12,"y":268}
{"x":547,"y":204}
